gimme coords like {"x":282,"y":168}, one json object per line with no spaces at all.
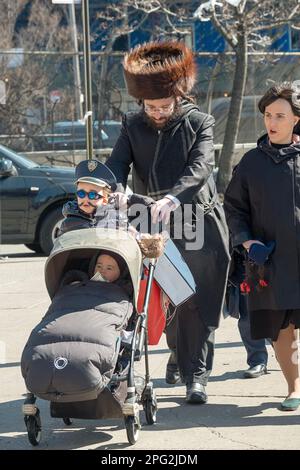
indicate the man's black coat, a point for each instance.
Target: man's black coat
{"x":179,"y":160}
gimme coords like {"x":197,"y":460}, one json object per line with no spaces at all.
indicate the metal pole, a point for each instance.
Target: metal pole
{"x":87,"y":79}
{"x":52,"y":123}
{"x":76,"y":64}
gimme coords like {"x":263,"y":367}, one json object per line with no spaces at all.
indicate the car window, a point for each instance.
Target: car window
{"x":60,"y":130}
{"x":73,"y":134}
{"x":104,"y":136}
{"x":78,"y":131}
{"x":112,"y":131}
{"x":17,"y":159}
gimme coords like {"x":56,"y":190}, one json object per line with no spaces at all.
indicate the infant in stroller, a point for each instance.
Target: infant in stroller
{"x":104,"y":267}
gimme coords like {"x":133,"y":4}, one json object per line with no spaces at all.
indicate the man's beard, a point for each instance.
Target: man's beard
{"x":165,"y":121}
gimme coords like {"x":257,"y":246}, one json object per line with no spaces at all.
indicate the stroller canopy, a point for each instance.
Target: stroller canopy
{"x":79,"y":245}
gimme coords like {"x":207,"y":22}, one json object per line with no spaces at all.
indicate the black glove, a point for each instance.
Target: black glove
{"x":140,"y":199}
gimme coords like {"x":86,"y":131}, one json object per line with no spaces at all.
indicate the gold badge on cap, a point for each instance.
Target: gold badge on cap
{"x":92,"y":165}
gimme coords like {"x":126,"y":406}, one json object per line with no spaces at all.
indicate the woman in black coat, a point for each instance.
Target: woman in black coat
{"x":262,"y":207}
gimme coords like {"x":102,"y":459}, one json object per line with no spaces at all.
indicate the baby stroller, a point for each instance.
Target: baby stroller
{"x":64,"y":361}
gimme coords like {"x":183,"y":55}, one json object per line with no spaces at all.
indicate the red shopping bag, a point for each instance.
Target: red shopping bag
{"x":157,"y":310}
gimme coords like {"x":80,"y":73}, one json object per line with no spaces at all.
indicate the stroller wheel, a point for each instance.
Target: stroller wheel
{"x":150,"y":408}
{"x":33,"y":425}
{"x":132,"y":425}
{"x":67,"y":421}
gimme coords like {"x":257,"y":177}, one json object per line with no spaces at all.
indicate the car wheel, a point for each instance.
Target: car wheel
{"x":34,"y":247}
{"x":49,"y":229}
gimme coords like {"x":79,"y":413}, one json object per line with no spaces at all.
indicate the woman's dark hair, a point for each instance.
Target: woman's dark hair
{"x":286,"y":91}
{"x":297,"y":128}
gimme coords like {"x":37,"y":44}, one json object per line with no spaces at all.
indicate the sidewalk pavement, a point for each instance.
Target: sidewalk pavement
{"x":240,"y":413}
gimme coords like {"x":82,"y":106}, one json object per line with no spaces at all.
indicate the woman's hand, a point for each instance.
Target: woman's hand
{"x":248,"y":244}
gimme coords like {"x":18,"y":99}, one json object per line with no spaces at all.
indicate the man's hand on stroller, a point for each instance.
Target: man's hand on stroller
{"x":161,"y":210}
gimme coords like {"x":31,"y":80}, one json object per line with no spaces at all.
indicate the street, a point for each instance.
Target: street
{"x":240,"y":413}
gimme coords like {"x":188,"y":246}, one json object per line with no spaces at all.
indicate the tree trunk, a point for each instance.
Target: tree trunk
{"x":234,"y":114}
{"x":210,"y":89}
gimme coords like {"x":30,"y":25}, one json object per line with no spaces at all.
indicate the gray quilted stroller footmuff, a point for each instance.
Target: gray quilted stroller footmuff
{"x":72,"y":353}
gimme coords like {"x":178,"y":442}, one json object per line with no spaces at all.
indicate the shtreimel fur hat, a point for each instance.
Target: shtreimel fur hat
{"x":158,"y":70}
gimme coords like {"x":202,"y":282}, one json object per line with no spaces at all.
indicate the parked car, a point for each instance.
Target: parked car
{"x":32,"y":197}
{"x":72,"y":134}
{"x":113,"y":130}
{"x":251,"y":123}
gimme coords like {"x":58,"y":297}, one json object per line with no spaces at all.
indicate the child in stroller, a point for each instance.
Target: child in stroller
{"x":104,"y":267}
{"x":71,"y":357}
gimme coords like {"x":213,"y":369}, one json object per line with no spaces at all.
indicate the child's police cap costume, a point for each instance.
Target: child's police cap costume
{"x":95,"y":172}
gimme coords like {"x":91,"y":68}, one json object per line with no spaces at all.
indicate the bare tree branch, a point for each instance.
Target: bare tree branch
{"x":249,"y":26}
{"x":29,"y":78}
{"x":221,"y":29}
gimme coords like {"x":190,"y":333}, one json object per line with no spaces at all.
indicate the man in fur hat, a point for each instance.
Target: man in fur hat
{"x":170,"y":144}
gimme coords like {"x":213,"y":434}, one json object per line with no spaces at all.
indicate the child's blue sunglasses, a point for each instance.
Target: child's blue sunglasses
{"x":93,"y":195}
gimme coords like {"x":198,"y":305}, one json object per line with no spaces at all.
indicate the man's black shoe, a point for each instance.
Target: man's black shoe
{"x":255,"y":371}
{"x":195,"y":393}
{"x":172,"y":375}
